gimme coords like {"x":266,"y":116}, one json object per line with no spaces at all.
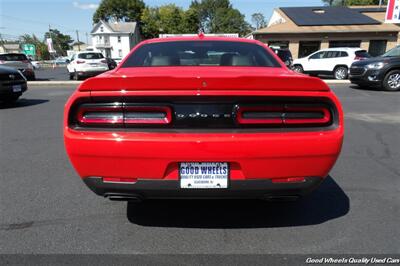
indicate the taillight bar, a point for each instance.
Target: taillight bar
{"x":284,"y":115}
{"x":147,"y":115}
{"x":259,"y":115}
{"x":99,"y":115}
{"x":118,"y":114}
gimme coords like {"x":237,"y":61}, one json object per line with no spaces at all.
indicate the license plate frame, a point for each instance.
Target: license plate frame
{"x":205,"y":180}
{"x":16,"y":88}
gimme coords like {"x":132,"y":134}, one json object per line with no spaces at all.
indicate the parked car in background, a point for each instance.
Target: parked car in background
{"x":87,"y":64}
{"x":331,"y":61}
{"x":117,"y":60}
{"x":284,"y":54}
{"x":35,"y":64}
{"x":12,"y":84}
{"x":187,"y":112}
{"x":381,"y":72}
{"x":111,"y":63}
{"x":18,"y":61}
{"x":60,"y":61}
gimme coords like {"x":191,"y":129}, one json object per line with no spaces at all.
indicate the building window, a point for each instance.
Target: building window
{"x":377,"y":47}
{"x":307,"y":48}
{"x":101,"y":29}
{"x":334,"y":44}
{"x":119,"y":39}
{"x":120,"y":53}
{"x":280,"y":44}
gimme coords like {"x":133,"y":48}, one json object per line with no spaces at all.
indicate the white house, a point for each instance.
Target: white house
{"x":115,"y":39}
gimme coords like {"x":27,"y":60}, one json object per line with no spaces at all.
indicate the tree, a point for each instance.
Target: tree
{"x":217,"y":16}
{"x":119,"y":10}
{"x":61,"y":42}
{"x":258,"y":20}
{"x":168,"y":19}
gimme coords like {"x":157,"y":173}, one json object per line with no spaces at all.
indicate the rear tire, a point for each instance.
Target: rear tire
{"x":341,"y":72}
{"x":391,"y":82}
{"x":75,"y":76}
{"x":298,"y":69}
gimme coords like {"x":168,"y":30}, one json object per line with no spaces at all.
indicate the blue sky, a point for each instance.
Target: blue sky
{"x":34,"y":16}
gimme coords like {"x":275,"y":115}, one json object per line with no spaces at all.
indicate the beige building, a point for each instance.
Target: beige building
{"x":79,"y":46}
{"x":307,"y":29}
{"x":10,"y":48}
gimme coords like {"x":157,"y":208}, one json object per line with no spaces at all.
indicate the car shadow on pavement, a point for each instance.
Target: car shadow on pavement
{"x":326,"y":203}
{"x":22,"y":103}
{"x":364,"y":88}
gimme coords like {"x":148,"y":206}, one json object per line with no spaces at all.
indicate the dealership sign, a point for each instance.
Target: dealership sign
{"x":393,"y":11}
{"x":29,"y":49}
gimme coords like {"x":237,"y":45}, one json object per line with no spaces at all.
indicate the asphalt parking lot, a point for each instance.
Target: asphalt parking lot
{"x":45,"y":208}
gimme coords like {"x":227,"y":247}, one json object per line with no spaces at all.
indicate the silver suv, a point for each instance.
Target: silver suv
{"x":18,"y":61}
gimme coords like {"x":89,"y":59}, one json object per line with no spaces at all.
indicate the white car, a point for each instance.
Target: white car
{"x":331,"y":61}
{"x":86,"y":64}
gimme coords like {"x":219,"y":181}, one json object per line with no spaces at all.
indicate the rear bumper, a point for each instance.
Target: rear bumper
{"x":90,"y":73}
{"x":239,"y":189}
{"x":6,"y":88}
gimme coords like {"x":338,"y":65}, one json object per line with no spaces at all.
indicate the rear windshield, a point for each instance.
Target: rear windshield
{"x":90,"y":56}
{"x":13,"y":57}
{"x":201,"y":53}
{"x":362,"y":53}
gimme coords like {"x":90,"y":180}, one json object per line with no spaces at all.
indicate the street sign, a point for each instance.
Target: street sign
{"x":393,"y":11}
{"x":29,"y":49}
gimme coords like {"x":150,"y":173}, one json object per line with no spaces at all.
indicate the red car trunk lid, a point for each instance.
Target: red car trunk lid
{"x":203,"y":78}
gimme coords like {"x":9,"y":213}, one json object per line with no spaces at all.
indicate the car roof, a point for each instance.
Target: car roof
{"x":343,"y":49}
{"x":201,"y":38}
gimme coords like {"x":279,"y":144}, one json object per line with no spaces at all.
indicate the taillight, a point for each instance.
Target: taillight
{"x":25,"y":61}
{"x":100,"y":115}
{"x":119,"y":115}
{"x":359,"y":58}
{"x":284,"y":115}
{"x":104,"y":61}
{"x":302,"y":115}
{"x":2,"y":61}
{"x":80,"y":61}
{"x":147,"y":115}
{"x":259,"y":115}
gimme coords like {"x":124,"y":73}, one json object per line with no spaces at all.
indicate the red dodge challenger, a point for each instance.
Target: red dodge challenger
{"x":203,"y":117}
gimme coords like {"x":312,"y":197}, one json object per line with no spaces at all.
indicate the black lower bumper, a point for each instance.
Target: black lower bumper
{"x":162,"y":189}
{"x":370,"y":78}
{"x":87,"y":74}
{"x":7,"y":89}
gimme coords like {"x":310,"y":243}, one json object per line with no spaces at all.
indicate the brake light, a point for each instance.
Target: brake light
{"x":259,"y":114}
{"x":104,"y":61}
{"x":284,"y":115}
{"x":119,"y":114}
{"x":100,"y":115}
{"x":147,"y":115}
{"x":80,"y":61}
{"x":295,"y":115}
{"x":359,"y":58}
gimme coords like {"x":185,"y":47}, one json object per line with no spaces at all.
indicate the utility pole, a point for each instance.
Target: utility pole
{"x":77,"y":38}
{"x":380,"y":3}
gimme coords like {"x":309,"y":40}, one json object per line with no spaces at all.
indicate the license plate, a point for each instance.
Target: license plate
{"x":93,"y":64}
{"x":204,"y":175}
{"x":16,"y":88}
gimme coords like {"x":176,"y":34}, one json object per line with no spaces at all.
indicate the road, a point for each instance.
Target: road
{"x":52,"y":74}
{"x":45,"y":208}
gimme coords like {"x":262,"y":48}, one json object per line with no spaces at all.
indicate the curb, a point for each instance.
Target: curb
{"x":73,"y":82}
